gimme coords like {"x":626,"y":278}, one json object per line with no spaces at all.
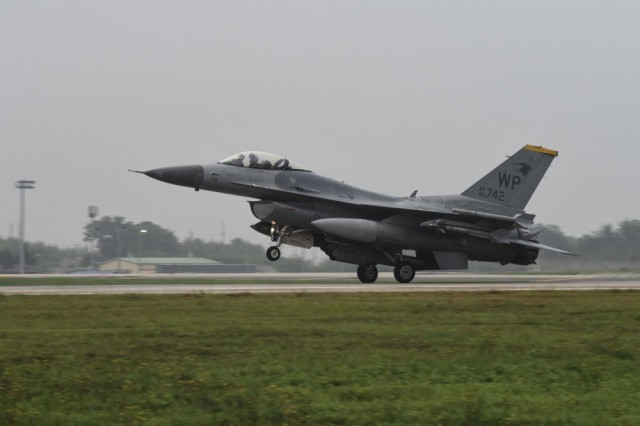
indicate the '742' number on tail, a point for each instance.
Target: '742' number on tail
{"x":491,"y":193}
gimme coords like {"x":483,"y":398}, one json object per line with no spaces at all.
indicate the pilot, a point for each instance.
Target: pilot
{"x":237,"y":161}
{"x":253,"y":161}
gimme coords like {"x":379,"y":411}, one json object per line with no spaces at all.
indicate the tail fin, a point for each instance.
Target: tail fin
{"x":513,"y":182}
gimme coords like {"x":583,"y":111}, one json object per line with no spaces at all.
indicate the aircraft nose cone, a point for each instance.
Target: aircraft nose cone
{"x":189,"y":176}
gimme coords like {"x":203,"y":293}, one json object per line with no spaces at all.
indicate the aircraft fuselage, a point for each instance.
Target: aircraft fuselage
{"x":298,"y":207}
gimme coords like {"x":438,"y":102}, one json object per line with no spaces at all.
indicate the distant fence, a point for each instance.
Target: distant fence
{"x":206,"y":269}
{"x":568,"y":264}
{"x":588,"y":265}
{"x":28,"y":269}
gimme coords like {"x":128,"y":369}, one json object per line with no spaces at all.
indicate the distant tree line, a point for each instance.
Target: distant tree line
{"x":609,"y":248}
{"x":116,"y":237}
{"x":609,"y":243}
{"x":39,"y":257}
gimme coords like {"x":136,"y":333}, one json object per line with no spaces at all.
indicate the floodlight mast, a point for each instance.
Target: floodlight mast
{"x":93,"y":212}
{"x":22,"y":185}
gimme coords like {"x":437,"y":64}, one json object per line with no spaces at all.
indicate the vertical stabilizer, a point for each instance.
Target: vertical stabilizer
{"x":513,"y":182}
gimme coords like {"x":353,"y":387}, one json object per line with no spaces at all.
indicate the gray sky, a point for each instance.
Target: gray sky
{"x":391,"y":96}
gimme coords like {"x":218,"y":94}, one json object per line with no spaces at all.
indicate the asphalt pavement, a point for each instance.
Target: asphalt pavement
{"x":334,"y":283}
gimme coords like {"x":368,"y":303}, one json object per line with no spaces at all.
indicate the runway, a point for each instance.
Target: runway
{"x":329,"y":283}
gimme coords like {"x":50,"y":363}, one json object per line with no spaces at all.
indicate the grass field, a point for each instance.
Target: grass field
{"x":340,"y":359}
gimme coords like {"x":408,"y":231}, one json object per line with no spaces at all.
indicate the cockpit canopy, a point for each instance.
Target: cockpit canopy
{"x":262,"y":160}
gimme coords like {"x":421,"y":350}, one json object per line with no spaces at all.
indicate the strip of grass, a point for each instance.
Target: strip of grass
{"x":343,"y":359}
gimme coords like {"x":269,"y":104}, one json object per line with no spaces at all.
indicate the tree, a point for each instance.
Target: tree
{"x":553,"y":236}
{"x":115,"y":236}
{"x":39,"y":257}
{"x":9,"y":253}
{"x":153,"y":240}
{"x":603,"y":244}
{"x":238,"y":251}
{"x":629,"y":231}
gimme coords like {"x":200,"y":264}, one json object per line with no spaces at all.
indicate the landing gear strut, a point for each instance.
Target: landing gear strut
{"x":367,"y":274}
{"x":404,"y":272}
{"x":277,"y":234}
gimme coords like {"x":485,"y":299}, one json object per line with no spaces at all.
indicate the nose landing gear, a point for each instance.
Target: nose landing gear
{"x":278,"y":234}
{"x":273,"y":253}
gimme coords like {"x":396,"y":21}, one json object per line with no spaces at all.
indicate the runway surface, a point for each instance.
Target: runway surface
{"x":327,"y":283}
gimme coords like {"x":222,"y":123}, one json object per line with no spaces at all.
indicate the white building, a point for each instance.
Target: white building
{"x":170,"y":265}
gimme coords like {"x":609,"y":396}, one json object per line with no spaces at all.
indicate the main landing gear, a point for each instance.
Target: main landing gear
{"x":404,"y":272}
{"x":367,"y":274}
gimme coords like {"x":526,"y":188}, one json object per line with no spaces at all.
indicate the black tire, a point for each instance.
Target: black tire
{"x":273,"y":253}
{"x":367,"y":274}
{"x":404,"y":272}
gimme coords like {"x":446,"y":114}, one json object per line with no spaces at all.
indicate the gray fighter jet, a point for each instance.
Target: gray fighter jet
{"x":295,"y":206}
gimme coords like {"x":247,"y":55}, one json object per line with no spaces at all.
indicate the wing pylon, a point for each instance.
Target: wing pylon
{"x":498,"y":229}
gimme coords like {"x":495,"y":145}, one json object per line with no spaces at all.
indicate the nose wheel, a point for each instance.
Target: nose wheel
{"x":404,"y":272}
{"x":273,"y":253}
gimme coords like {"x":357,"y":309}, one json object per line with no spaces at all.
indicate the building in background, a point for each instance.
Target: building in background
{"x":171,"y":265}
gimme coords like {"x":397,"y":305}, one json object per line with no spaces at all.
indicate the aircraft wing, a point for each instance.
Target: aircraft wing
{"x":499,"y":229}
{"x":410,"y":212}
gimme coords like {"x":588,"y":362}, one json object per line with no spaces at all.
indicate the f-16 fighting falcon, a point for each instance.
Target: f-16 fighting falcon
{"x":295,"y":206}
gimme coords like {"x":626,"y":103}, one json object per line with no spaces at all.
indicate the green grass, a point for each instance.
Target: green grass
{"x":340,"y":359}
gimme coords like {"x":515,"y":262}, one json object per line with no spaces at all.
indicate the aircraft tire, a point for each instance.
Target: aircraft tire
{"x":273,"y":253}
{"x":367,"y":274}
{"x":404,"y":272}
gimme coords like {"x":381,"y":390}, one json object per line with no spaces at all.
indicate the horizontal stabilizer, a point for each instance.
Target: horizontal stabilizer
{"x":541,"y":246}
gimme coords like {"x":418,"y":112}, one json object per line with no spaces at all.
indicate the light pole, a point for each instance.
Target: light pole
{"x":93,"y":212}
{"x":118,"y":254}
{"x":22,"y":185}
{"x":142,"y":232}
{"x":117,"y":242}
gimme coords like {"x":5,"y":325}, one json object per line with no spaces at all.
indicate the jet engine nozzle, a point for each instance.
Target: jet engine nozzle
{"x":189,"y":176}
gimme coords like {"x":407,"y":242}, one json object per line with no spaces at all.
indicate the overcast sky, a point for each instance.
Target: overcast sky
{"x":390,"y":96}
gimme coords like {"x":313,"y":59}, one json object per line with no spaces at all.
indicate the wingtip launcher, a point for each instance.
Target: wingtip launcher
{"x":541,"y":150}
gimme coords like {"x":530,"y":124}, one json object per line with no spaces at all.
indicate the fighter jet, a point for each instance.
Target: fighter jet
{"x":295,"y":206}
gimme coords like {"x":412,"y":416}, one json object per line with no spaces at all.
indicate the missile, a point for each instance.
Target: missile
{"x":520,"y":221}
{"x":482,"y":215}
{"x":500,"y":235}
